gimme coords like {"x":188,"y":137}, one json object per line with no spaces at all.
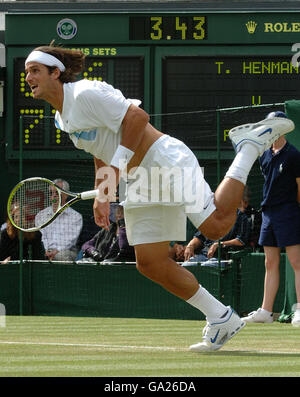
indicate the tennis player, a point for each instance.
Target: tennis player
{"x":117,"y":132}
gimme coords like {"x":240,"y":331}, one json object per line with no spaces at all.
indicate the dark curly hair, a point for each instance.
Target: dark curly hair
{"x":74,"y":61}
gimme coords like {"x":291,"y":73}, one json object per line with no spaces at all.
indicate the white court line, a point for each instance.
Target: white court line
{"x":130,"y":347}
{"x":92,"y":345}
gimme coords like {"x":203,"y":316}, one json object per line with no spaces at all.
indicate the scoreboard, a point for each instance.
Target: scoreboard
{"x":181,"y":65}
{"x":192,"y":83}
{"x":156,"y":28}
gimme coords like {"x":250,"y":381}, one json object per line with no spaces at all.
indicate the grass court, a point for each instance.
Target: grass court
{"x":126,"y":347}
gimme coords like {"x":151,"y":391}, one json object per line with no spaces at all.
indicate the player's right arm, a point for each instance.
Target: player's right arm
{"x":106,"y":181}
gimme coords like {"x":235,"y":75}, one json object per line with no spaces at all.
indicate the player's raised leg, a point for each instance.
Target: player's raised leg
{"x":249,"y":141}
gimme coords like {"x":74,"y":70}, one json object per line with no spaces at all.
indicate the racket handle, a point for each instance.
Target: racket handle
{"x":90,"y":194}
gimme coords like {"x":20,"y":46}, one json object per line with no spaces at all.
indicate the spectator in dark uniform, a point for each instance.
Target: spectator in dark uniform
{"x":280,"y":228}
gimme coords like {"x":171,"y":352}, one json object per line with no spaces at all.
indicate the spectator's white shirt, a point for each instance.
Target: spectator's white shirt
{"x":92,"y":114}
{"x":63,"y":232}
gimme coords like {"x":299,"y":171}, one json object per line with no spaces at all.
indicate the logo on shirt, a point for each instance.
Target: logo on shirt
{"x":66,"y":28}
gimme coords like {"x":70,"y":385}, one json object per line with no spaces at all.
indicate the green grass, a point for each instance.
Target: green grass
{"x":109,"y":347}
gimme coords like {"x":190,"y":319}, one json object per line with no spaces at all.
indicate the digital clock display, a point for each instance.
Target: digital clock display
{"x":180,"y":28}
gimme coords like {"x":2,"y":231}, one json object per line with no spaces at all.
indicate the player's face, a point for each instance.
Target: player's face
{"x":39,"y":79}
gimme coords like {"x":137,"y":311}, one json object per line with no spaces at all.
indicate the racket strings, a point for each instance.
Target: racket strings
{"x":30,"y":201}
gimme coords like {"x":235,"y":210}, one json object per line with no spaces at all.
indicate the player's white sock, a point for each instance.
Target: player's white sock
{"x":208,"y":304}
{"x":243,"y":163}
{"x":265,"y":311}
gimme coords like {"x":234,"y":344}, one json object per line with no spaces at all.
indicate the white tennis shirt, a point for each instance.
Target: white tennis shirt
{"x":92,"y":116}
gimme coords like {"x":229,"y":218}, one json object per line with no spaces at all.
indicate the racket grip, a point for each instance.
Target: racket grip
{"x":90,"y":194}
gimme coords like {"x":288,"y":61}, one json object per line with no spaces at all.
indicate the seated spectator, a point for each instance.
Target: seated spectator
{"x":3,"y":220}
{"x":200,"y":249}
{"x":110,"y":245}
{"x":96,"y":249}
{"x":90,"y":229}
{"x":10,"y":245}
{"x":101,"y":238}
{"x":60,"y":236}
{"x":176,"y":250}
{"x":122,"y":251}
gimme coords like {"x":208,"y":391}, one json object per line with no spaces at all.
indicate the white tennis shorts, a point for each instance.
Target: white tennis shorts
{"x":166,"y":188}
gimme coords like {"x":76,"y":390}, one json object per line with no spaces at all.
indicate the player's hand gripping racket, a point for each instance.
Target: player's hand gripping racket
{"x":30,"y":196}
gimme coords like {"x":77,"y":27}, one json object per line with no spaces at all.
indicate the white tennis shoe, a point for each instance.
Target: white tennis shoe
{"x":262,"y":134}
{"x":216,"y":334}
{"x":296,"y":318}
{"x":259,"y":316}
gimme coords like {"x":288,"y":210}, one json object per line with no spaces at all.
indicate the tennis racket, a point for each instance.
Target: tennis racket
{"x":36,"y":202}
